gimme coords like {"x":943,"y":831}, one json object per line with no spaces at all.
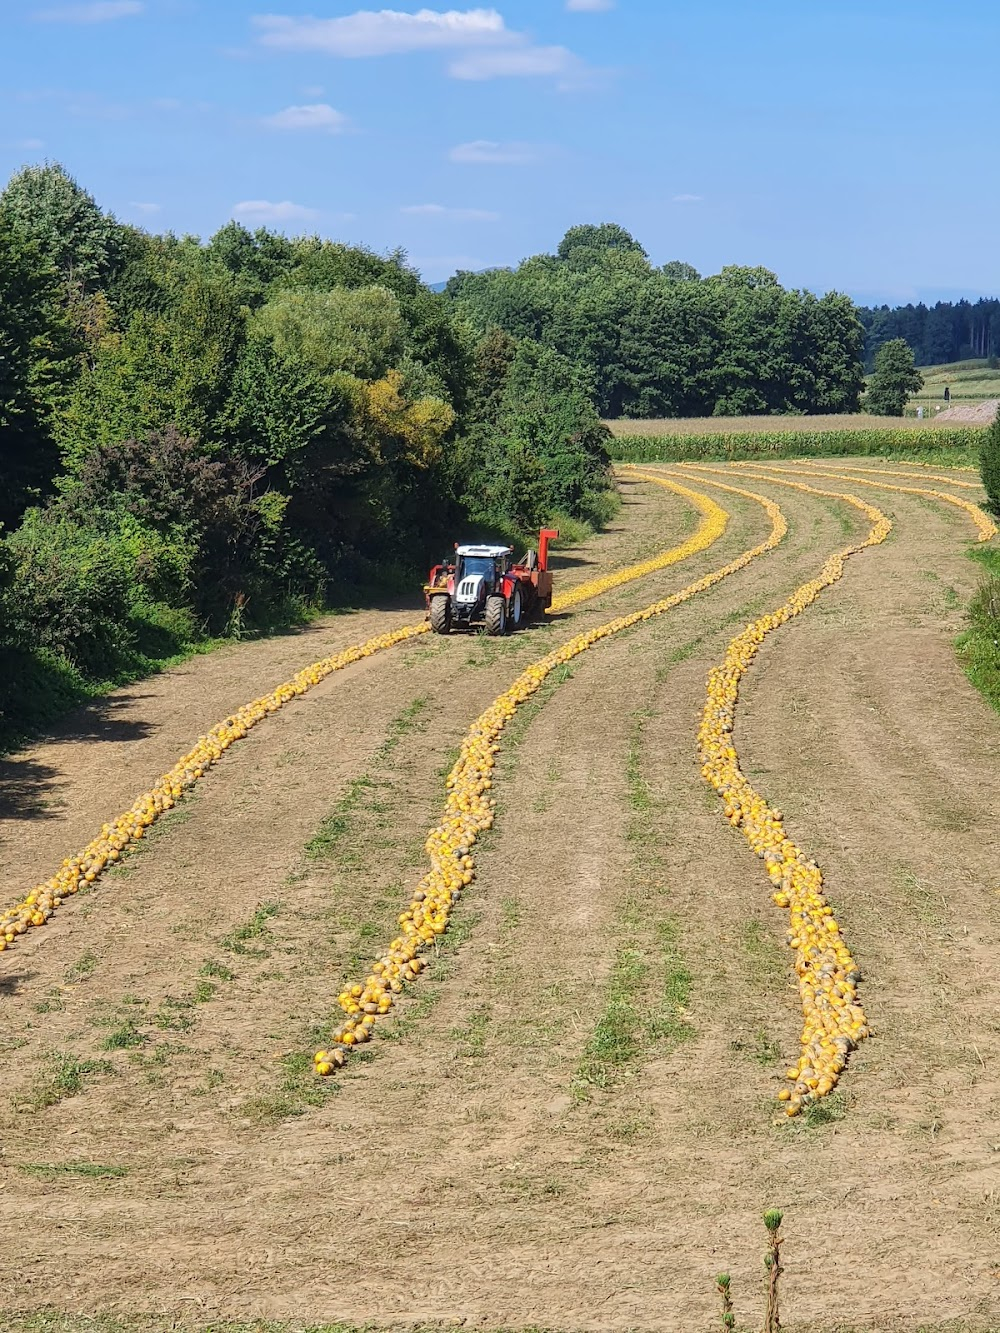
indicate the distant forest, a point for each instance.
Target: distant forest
{"x":938,"y":334}
{"x":667,"y":342}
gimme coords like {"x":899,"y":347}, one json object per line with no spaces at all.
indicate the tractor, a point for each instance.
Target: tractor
{"x":485,"y":586}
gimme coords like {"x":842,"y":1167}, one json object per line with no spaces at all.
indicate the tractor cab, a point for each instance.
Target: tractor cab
{"x":479,"y":572}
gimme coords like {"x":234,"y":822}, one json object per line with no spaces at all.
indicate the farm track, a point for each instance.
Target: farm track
{"x":486,"y":1179}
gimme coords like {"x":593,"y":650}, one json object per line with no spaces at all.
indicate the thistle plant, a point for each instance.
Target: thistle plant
{"x":722,"y":1282}
{"x":772,"y":1263}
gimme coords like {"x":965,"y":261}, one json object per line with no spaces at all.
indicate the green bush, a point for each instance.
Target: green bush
{"x":73,"y":593}
{"x":91,"y":596}
{"x":794,"y":444}
{"x":979,"y":647}
{"x":989,"y":461}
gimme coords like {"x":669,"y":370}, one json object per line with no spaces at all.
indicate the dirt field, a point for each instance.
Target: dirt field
{"x":510,"y":1153}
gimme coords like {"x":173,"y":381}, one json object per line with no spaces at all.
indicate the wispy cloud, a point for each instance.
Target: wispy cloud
{"x":318,"y":116}
{"x":589,"y":6}
{"x":450,"y":214}
{"x":388,"y":32}
{"x":487,"y":152}
{"x":146,"y":209}
{"x":485,"y":47}
{"x":687,"y":198}
{"x":99,"y":11}
{"x":517,"y":62}
{"x":31,"y":145}
{"x":263,"y":211}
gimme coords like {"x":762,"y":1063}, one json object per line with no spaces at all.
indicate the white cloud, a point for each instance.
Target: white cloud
{"x":516,"y":62}
{"x":490,"y":153}
{"x":589,"y":6}
{"x":487,"y":48}
{"x":263,"y":211}
{"x":319,"y":116}
{"x":687,"y":198}
{"x":387,"y":32}
{"x":450,"y":214}
{"x":31,"y":145}
{"x":147,"y":209}
{"x":100,"y":11}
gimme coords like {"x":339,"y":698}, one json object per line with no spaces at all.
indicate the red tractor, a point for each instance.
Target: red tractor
{"x":485,"y":586}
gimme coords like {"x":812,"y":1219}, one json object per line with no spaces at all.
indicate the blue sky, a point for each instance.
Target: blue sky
{"x":849,"y":146}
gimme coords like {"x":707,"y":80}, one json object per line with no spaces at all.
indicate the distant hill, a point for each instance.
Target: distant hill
{"x":969,"y":382}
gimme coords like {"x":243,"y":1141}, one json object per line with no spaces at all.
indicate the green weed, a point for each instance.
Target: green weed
{"x":241,"y":939}
{"x":65,"y":1077}
{"x":88,"y":1170}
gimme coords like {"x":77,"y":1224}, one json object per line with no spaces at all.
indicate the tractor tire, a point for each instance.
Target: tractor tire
{"x":517,"y":616}
{"x":496,"y":616}
{"x":441,"y":615}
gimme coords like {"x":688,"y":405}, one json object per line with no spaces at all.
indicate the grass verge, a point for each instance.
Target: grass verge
{"x":979,"y":646}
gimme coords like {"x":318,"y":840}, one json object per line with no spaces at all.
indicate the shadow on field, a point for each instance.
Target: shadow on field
{"x":12,"y":983}
{"x":25,"y":789}
{"x":100,"y":721}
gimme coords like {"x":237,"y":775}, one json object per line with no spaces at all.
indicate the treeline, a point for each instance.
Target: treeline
{"x":938,"y":334}
{"x":205,"y":438}
{"x":665,"y":342}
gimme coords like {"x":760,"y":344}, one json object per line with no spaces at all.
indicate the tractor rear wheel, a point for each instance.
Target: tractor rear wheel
{"x":496,"y":616}
{"x":441,"y":615}
{"x":517,"y":616}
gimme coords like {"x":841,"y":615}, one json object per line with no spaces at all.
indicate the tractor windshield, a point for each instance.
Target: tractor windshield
{"x":477,"y":564}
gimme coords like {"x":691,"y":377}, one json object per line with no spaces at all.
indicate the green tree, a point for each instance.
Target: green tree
{"x":169,"y":368}
{"x":895,"y":379}
{"x":258,"y":260}
{"x":539,"y":447}
{"x":360,"y":331}
{"x":35,"y":366}
{"x":587,"y":244}
{"x":48,"y":205}
{"x":677,"y":271}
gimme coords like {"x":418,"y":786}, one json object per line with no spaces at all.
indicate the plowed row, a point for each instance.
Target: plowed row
{"x":573,"y":1119}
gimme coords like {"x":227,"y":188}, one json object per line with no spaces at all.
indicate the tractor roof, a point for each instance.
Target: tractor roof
{"x":485,"y":550}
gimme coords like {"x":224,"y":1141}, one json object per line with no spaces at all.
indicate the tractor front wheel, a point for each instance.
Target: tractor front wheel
{"x":441,"y":615}
{"x":496,"y":616}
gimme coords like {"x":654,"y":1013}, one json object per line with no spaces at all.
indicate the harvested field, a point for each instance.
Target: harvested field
{"x":571,"y":1120}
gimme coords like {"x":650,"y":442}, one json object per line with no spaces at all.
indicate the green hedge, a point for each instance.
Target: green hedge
{"x":965,"y":441}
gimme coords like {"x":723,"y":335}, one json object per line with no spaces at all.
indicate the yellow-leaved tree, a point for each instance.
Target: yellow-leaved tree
{"x":417,"y":426}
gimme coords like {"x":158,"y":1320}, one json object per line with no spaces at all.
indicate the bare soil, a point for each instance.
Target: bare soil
{"x":494,"y":1161}
{"x":979,"y":414}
